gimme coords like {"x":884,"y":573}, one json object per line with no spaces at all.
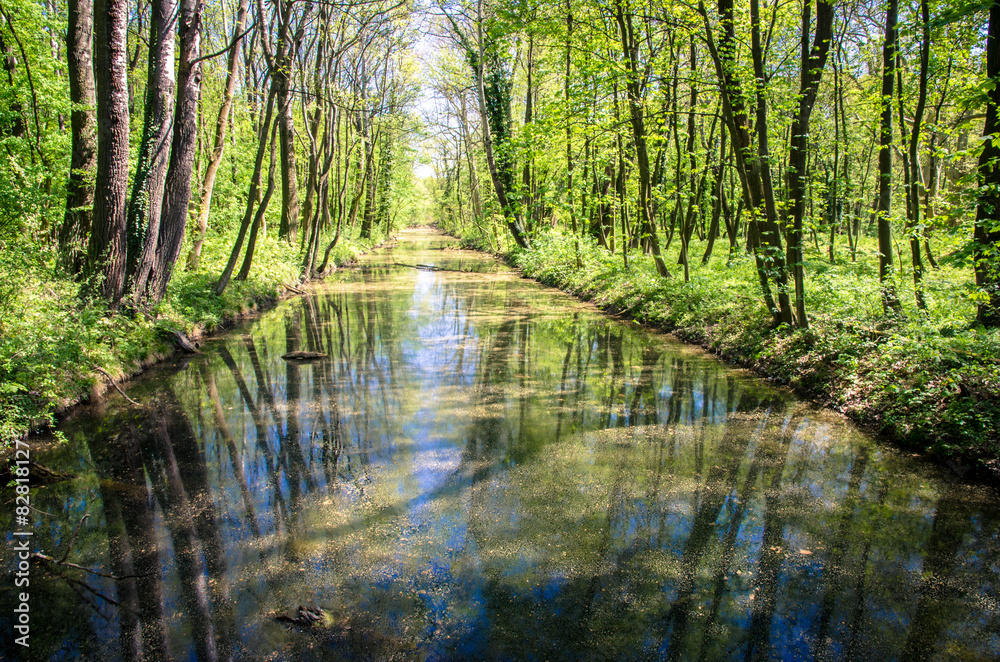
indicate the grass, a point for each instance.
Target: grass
{"x":55,"y":348}
{"x":930,"y":382}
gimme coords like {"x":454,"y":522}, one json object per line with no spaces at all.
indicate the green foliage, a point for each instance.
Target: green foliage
{"x":34,"y":108}
{"x":51,"y":344}
{"x":54,"y":343}
{"x":930,"y":382}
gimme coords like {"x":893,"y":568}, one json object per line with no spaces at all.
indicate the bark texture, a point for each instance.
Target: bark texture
{"x":177,"y":190}
{"x":83,"y":162}
{"x":987,"y":232}
{"x":106,"y":248}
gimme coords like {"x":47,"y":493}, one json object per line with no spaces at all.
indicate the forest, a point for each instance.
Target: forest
{"x":809,"y":189}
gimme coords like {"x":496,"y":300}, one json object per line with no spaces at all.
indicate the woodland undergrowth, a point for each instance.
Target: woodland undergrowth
{"x":58,"y":346}
{"x":929,"y":382}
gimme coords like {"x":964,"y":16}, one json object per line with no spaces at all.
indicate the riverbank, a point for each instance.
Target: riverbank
{"x":57,"y":350}
{"x":925,"y":384}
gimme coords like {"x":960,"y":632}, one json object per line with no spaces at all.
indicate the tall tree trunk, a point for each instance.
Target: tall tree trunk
{"x":569,"y":126}
{"x":813,"y":61}
{"x":770,"y":234}
{"x":986,"y":237}
{"x":248,"y":215}
{"x":177,"y":195}
{"x":106,"y":248}
{"x":529,"y":97}
{"x":83,"y":162}
{"x":208,"y":183}
{"x":258,"y":218}
{"x":145,"y":204}
{"x":289,"y":179}
{"x":494,"y":109}
{"x":890,"y":302}
{"x":636,"y":98}
{"x":913,"y":225}
{"x":718,"y":193}
{"x":283,"y":62}
{"x":368,"y":217}
{"x":763,"y":236}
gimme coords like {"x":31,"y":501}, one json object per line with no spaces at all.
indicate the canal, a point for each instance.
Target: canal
{"x":482,"y":468}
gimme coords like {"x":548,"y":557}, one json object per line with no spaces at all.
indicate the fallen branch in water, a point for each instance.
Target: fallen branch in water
{"x":431,"y":267}
{"x":115,"y":384}
{"x":48,"y":561}
{"x":184,"y":342}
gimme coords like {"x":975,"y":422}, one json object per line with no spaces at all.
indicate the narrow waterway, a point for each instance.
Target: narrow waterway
{"x":485,"y":468}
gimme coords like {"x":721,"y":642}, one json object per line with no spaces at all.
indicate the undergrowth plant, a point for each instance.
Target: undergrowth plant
{"x":929,"y":380}
{"x":57,"y":344}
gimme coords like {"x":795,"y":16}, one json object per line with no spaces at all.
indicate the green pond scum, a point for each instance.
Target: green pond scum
{"x":484,"y":468}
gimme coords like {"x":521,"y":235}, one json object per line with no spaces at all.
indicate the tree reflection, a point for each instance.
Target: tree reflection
{"x":475,"y":472}
{"x":132,"y":548}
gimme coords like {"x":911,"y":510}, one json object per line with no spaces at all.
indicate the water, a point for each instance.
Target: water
{"x":485,"y":468}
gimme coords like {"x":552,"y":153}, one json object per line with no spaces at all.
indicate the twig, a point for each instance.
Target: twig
{"x":72,"y":539}
{"x":431,"y":267}
{"x":44,"y":512}
{"x":228,"y":48}
{"x":113,"y":383}
{"x":87,"y":586}
{"x":49,"y":561}
{"x":84,"y":599}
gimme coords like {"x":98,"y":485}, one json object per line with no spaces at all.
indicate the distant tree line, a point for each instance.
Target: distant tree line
{"x":646,"y":124}
{"x":116,"y":119}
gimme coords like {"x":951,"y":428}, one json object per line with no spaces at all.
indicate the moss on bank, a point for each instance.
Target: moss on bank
{"x":922,"y":381}
{"x":57,"y":349}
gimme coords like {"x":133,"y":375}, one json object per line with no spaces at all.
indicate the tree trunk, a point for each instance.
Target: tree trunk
{"x":913,"y":226}
{"x":770,"y":233}
{"x":208,"y":183}
{"x":258,"y":218}
{"x":763,"y":235}
{"x":283,"y":63}
{"x":368,"y":217}
{"x":145,"y":204}
{"x":495,"y":98}
{"x":106,"y":248}
{"x":289,"y":179}
{"x":248,"y":215}
{"x":813,"y":61}
{"x":890,"y":302}
{"x":529,"y":67}
{"x":986,"y":237}
{"x":178,"y":186}
{"x":636,"y":98}
{"x":83,"y":163}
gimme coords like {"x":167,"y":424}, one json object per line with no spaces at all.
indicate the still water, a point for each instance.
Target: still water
{"x":486,"y":469}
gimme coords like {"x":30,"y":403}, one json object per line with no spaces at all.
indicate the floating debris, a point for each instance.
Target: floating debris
{"x":304,"y":356}
{"x":302,"y":616}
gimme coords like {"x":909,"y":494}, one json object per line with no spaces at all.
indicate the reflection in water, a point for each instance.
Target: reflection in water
{"x":485,"y":469}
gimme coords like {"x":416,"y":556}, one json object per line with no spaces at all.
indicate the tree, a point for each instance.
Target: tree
{"x":986,"y":237}
{"x":146,"y":203}
{"x":915,"y":177}
{"x":493,"y":82}
{"x":264,"y":135}
{"x":178,"y":180}
{"x":890,"y":301}
{"x":106,"y":248}
{"x":636,"y":79}
{"x":813,"y":61}
{"x":281,"y":59}
{"x":753,"y":166}
{"x":219,"y":138}
{"x":76,"y":226}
